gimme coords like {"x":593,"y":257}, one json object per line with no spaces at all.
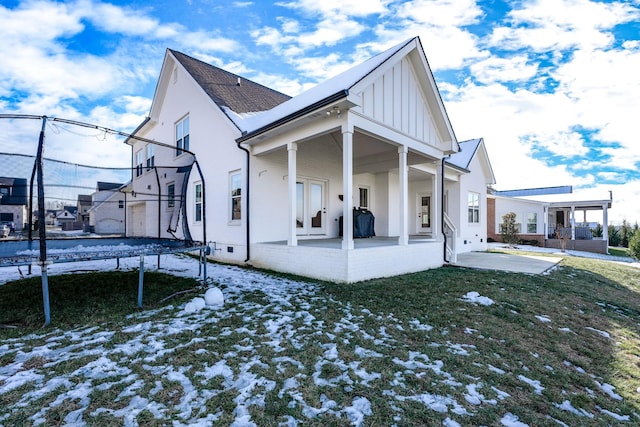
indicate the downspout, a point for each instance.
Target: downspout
{"x":247,"y":198}
{"x":444,"y":234}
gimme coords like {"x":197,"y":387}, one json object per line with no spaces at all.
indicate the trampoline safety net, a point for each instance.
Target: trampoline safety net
{"x":63,"y":179}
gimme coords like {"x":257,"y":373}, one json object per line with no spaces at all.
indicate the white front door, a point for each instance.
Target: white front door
{"x":423,"y":215}
{"x":311,"y":212}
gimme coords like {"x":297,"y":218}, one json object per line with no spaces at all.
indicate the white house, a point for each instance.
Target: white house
{"x":468,"y":175}
{"x":107,"y":213}
{"x":553,"y":216}
{"x":283,"y":183}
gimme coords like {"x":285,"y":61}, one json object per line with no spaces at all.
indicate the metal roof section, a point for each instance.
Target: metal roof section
{"x":462,"y":159}
{"x":541,"y":191}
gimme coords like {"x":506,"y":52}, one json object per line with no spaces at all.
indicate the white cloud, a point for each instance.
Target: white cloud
{"x":513,"y":69}
{"x":334,"y":8}
{"x":543,"y":25}
{"x":441,"y":27}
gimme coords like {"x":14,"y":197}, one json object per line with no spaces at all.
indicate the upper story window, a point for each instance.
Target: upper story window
{"x":120,"y":204}
{"x":235,"y":189}
{"x":171,"y":195}
{"x":473,"y":206}
{"x":139,"y":163}
{"x":182,"y":136}
{"x":150,"y":156}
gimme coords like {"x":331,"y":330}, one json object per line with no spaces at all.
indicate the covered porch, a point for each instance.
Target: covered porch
{"x":315,"y":187}
{"x":567,"y":225}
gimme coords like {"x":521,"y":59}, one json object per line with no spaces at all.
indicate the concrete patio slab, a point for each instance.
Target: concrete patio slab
{"x":506,"y":262}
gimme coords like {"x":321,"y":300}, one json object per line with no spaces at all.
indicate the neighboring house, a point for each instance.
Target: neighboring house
{"x":552,"y":216}
{"x":468,"y":174}
{"x":66,"y":217}
{"x":13,"y":202}
{"x":284,"y":177}
{"x":83,"y":206}
{"x":107,"y":215}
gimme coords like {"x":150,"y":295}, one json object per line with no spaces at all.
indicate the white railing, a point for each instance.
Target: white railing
{"x":450,"y":231}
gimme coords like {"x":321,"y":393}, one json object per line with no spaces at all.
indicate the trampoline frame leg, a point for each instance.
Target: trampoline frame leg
{"x":141,"y":281}
{"x":45,"y":295}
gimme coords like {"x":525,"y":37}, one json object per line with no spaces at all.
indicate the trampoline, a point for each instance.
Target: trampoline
{"x":55,"y":182}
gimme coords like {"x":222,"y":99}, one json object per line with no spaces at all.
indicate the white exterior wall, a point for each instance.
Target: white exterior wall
{"x":19,"y":212}
{"x":521,"y":207}
{"x":212,"y":138}
{"x":472,"y":237}
{"x":396,"y":100}
{"x":108,"y":217}
{"x":348,"y":266}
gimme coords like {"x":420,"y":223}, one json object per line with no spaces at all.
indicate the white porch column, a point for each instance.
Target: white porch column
{"x":605,"y":224}
{"x":404,"y":195}
{"x":347,"y":188}
{"x":436,"y":200}
{"x":573,"y":223}
{"x":545,"y":221}
{"x":292,"y":149}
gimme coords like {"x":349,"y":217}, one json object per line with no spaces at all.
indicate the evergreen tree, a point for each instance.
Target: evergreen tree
{"x":597,"y":232}
{"x":625,"y":233}
{"x":634,"y":245}
{"x":508,"y":230}
{"x":614,"y":236}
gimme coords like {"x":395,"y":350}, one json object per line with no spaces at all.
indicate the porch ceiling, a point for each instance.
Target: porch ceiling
{"x":371,"y":155}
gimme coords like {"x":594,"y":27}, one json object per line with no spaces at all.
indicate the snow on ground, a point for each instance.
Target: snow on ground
{"x":104,"y":358}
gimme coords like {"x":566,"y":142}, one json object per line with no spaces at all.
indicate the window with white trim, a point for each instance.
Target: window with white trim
{"x":473,"y":208}
{"x":182,"y":136}
{"x":198,"y":202}
{"x":235,"y":191}
{"x":532,"y":222}
{"x":363,"y":194}
{"x":151,"y":158}
{"x":171,"y":195}
{"x":139,"y":163}
{"x":120,"y":204}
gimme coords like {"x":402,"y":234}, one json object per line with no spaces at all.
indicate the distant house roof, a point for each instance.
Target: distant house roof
{"x":230,"y":90}
{"x":105,"y":186}
{"x":84,"y":198}
{"x":14,"y":191}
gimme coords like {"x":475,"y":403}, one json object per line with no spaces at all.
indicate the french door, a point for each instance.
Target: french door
{"x":423,"y":223}
{"x":311,"y":211}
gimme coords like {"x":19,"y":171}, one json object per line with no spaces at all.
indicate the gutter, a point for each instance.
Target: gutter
{"x":247,"y":198}
{"x":343,"y":93}
{"x":444,"y":247}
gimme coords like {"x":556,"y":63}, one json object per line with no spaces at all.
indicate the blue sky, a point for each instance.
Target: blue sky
{"x":551,"y":85}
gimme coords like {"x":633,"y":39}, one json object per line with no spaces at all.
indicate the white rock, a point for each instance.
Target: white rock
{"x":214,"y":296}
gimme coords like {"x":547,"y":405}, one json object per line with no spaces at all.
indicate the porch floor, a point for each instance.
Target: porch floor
{"x":370,"y":242}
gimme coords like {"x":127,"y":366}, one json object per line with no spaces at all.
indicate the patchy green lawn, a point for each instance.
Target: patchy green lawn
{"x":449,"y":346}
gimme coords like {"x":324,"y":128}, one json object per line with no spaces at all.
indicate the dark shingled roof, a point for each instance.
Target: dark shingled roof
{"x":222,"y":87}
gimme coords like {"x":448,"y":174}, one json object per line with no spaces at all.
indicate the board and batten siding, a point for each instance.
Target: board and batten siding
{"x":396,"y":100}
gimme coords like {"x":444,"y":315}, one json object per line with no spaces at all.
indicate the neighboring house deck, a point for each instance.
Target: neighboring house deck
{"x":286,"y":178}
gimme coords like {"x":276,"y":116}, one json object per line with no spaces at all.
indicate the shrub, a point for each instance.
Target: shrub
{"x":634,"y":245}
{"x":508,"y":230}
